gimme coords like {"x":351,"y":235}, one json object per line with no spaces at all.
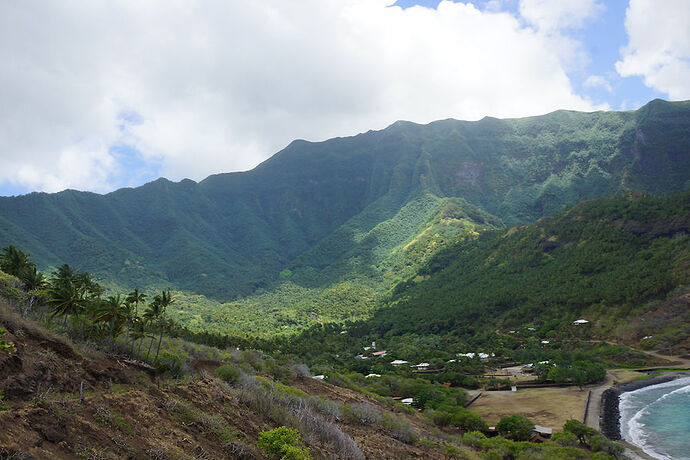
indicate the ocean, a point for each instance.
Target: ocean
{"x":657,"y":418}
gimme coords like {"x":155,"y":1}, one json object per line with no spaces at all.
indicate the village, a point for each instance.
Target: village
{"x":538,"y":389}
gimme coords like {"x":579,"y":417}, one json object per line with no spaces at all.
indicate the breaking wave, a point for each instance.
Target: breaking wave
{"x":657,"y":418}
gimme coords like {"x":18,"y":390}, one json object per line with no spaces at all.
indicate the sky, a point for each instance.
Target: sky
{"x":101,"y":95}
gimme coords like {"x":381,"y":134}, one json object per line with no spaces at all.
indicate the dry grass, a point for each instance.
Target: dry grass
{"x":626,"y":375}
{"x":21,"y":326}
{"x":550,"y":407}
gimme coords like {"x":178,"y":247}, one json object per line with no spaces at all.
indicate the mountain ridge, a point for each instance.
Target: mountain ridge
{"x":231,"y":234}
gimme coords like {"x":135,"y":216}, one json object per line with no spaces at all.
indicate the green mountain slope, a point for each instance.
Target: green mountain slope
{"x":332,"y":209}
{"x":604,"y":259}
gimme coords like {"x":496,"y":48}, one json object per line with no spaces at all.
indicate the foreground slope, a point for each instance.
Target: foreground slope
{"x":232,"y":234}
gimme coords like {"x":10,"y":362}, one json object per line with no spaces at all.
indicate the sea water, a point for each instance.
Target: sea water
{"x":657,"y":418}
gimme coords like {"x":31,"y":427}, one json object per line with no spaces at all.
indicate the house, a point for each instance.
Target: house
{"x":543,"y":431}
{"x":318,"y":377}
{"x":578,"y":322}
{"x":343,"y":332}
{"x":399,"y":362}
{"x":407,"y":401}
{"x":368,"y":376}
{"x":367,"y":348}
{"x":421,"y":366}
{"x":545,"y":342}
{"x":379,"y":354}
{"x":362,"y":357}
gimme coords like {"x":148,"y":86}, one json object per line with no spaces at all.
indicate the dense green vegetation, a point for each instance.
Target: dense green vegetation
{"x":330,"y":210}
{"x":601,"y":258}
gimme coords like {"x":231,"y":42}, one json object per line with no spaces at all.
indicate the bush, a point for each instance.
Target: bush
{"x":473,"y":439}
{"x":400,"y":429}
{"x":516,"y":427}
{"x":362,"y":413}
{"x":7,"y":347}
{"x":439,"y":417}
{"x":468,"y":421}
{"x":229,"y":373}
{"x":283,"y":443}
{"x":170,"y":363}
{"x":602,"y":444}
{"x":565,"y":439}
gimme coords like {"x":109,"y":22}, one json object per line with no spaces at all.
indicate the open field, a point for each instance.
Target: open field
{"x":550,"y":407}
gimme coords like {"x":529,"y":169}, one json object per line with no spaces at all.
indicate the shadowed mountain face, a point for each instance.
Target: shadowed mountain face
{"x":231,"y":234}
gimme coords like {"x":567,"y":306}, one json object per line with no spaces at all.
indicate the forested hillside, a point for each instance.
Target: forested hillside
{"x":603,"y":259}
{"x":325,"y":210}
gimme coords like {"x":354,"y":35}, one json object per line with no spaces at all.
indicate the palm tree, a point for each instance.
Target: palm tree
{"x":135,"y":297}
{"x":165,"y":300}
{"x":112,"y":310}
{"x":140,"y":332}
{"x":65,"y":299}
{"x":14,"y":261}
{"x":152,"y":315}
{"x":33,"y":281}
{"x":156,"y":313}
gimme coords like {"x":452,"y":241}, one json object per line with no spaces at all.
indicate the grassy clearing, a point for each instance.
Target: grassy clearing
{"x":550,"y":407}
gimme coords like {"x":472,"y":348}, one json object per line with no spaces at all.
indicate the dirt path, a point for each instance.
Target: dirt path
{"x":682,"y":361}
{"x":594,"y":406}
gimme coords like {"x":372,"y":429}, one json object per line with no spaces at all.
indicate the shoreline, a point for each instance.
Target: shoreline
{"x":610,"y":424}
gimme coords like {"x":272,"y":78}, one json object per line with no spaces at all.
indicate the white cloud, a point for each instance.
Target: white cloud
{"x":597,"y":81}
{"x":219,"y":86}
{"x":658,"y":46}
{"x":556,"y":20}
{"x":552,"y":16}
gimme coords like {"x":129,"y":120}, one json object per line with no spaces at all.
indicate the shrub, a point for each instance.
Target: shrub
{"x":473,"y":439}
{"x":170,"y":363}
{"x":439,"y":417}
{"x":468,"y":421}
{"x":7,"y":347}
{"x":362,"y":413}
{"x":400,"y":429}
{"x":516,"y":427}
{"x":602,"y":444}
{"x":253,"y":358}
{"x":229,"y":373}
{"x":600,"y":456}
{"x":301,"y":370}
{"x":565,"y":439}
{"x":453,"y":451}
{"x":283,"y":443}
